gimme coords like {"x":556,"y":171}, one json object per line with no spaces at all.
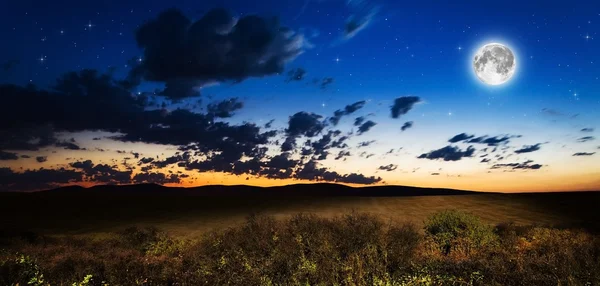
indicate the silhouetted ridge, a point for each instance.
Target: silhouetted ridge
{"x":309,"y":190}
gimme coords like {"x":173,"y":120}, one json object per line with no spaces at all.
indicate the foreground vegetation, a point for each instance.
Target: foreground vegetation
{"x":453,"y":248}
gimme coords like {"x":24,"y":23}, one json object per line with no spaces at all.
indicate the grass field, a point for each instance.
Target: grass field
{"x":179,"y":238}
{"x":193,"y":215}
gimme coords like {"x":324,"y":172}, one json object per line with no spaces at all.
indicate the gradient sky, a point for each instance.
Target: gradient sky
{"x":541,"y":126}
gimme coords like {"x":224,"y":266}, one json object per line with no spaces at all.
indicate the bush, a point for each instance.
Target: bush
{"x":354,"y":249}
{"x":459,"y":233}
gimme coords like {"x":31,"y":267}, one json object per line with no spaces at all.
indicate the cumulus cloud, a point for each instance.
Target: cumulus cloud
{"x":403,"y":105}
{"x":448,"y":153}
{"x":217,"y":47}
{"x":349,"y":109}
{"x":41,"y":159}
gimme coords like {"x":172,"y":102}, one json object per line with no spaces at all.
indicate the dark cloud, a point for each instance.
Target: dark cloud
{"x":435,"y":174}
{"x":36,"y":179}
{"x":406,"y":125}
{"x":586,"y":139}
{"x":310,"y":171}
{"x":297,"y":74}
{"x":343,"y":154}
{"x":349,"y":109}
{"x":388,"y":168}
{"x":68,"y":145}
{"x":403,"y":105}
{"x":41,"y":159}
{"x":268,"y":124}
{"x":359,"y":120}
{"x":145,"y":160}
{"x":299,"y":124}
{"x":5,"y":156}
{"x":155,"y":178}
{"x":493,"y":141}
{"x":460,"y":137}
{"x":448,"y":153}
{"x":485,"y":160}
{"x":225,"y":108}
{"x":365,"y":143}
{"x":215,"y":48}
{"x":178,"y":157}
{"x":518,"y":166}
{"x":587,"y":130}
{"x":366,"y":127}
{"x":102,"y":173}
{"x":584,"y":154}
{"x":529,"y":148}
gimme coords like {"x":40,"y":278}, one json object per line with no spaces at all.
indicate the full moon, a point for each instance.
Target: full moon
{"x":494,"y":64}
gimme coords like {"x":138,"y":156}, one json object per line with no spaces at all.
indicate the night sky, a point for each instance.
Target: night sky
{"x":187,"y":93}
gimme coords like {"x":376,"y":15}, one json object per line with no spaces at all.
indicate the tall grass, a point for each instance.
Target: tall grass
{"x":454,"y":248}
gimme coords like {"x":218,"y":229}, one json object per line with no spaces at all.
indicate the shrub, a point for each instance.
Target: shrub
{"x":455,"y":231}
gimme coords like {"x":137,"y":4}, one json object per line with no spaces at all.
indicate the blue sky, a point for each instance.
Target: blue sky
{"x":422,"y":49}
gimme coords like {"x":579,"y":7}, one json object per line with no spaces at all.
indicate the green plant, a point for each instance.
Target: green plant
{"x":454,"y":230}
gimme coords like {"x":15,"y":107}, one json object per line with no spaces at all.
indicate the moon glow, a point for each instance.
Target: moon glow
{"x":494,"y":64}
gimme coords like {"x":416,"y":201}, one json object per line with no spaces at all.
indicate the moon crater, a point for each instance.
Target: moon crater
{"x":494,"y":64}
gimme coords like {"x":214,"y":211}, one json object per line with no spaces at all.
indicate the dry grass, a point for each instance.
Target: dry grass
{"x":452,"y":248}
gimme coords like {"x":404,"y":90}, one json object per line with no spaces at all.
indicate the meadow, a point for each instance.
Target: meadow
{"x":470,"y":239}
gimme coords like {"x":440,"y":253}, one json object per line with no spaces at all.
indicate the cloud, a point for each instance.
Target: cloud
{"x":155,"y":178}
{"x":529,"y":148}
{"x":518,"y":166}
{"x":102,"y":173}
{"x":403,"y":105}
{"x":217,"y":47}
{"x":310,"y":171}
{"x":586,"y":139}
{"x":366,"y":127}
{"x":342,"y":154}
{"x":359,"y":120}
{"x":485,"y":160}
{"x":493,"y":141}
{"x":297,"y":74}
{"x":406,"y":125}
{"x":365,"y":143}
{"x":460,"y":137}
{"x":587,"y":130}
{"x":355,"y":24}
{"x":388,"y":168}
{"x":584,"y":154}
{"x":36,"y":179}
{"x":5,"y":156}
{"x":225,"y":108}
{"x":41,"y":159}
{"x":68,"y":145}
{"x":448,"y":153}
{"x":349,"y":109}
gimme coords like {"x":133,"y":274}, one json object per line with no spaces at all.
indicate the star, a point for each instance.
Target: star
{"x":323,"y":104}
{"x":337,"y":59}
{"x":459,"y":48}
{"x":90,"y":25}
{"x":42,"y":59}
